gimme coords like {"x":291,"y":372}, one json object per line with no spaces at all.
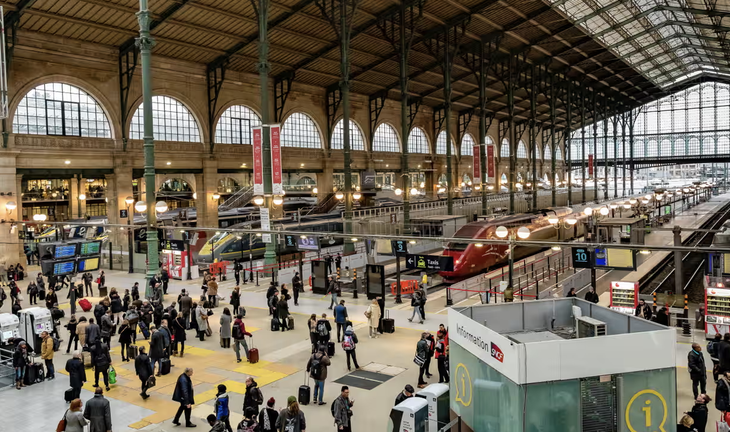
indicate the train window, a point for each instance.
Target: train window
{"x":457,"y":246}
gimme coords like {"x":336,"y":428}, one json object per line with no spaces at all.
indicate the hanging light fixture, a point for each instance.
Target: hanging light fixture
{"x":161,"y":207}
{"x":315,"y":190}
{"x":278,"y":200}
{"x":414,"y":191}
{"x":216,"y":196}
{"x":10,"y":206}
{"x":398,"y":191}
{"x":82,"y":197}
{"x":339,"y":195}
{"x":356,"y":196}
{"x":258,"y":200}
{"x":140,"y":206}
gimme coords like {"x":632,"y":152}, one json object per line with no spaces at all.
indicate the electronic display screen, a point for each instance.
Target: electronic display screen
{"x":88,"y":264}
{"x":91,"y":248}
{"x":7,"y":334}
{"x":65,"y":251}
{"x":308,"y":243}
{"x":64,"y":268}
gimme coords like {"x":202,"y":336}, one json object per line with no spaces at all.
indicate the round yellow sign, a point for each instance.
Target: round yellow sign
{"x":463,"y":385}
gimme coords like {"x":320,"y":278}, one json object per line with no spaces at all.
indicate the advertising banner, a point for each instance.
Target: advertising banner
{"x":265,"y":224}
{"x":277,"y":187}
{"x":590,"y":165}
{"x":258,"y":161}
{"x":491,"y":168}
{"x":477,"y":173}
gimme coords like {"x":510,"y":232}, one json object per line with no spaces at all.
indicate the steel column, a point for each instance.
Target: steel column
{"x":583,"y":143}
{"x":145,"y":42}
{"x":533,"y":137}
{"x":595,"y":149}
{"x":447,"y":128}
{"x":615,"y":151}
{"x":605,"y":149}
{"x":631,"y":155}
{"x":512,"y":136}
{"x":552,"y":139}
{"x":483,"y":127}
{"x":566,"y":138}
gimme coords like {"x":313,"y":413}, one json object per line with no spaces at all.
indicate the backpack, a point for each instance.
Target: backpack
{"x":236,"y":332}
{"x":316,"y":368}
{"x":332,"y":408}
{"x":56,"y":343}
{"x":347,"y":343}
{"x":322,"y":328}
{"x":252,"y":427}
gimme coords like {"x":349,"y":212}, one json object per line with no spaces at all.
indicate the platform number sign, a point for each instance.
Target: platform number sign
{"x":582,"y":257}
{"x":400,"y":247}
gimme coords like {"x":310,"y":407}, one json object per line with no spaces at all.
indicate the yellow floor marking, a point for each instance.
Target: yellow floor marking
{"x":139,"y":425}
{"x":200,"y":352}
{"x":270,"y":377}
{"x":235,"y":386}
{"x":208,"y":377}
{"x":282,"y":368}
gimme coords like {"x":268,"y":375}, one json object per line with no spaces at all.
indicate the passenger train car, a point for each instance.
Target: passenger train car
{"x":471,"y":258}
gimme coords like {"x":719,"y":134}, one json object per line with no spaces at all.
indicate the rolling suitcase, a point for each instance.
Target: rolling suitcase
{"x":143,"y":328}
{"x":132,"y":352}
{"x":85,"y":305}
{"x":290,"y":322}
{"x":68,"y":396}
{"x":165,"y":366}
{"x":305,"y":392}
{"x":388,"y":324}
{"x":275,"y":324}
{"x":330,"y":349}
{"x":253,"y":354}
{"x":34,"y":374}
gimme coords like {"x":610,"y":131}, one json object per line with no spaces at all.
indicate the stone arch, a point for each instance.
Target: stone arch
{"x":395,"y":131}
{"x":318,"y":129}
{"x":182,"y":99}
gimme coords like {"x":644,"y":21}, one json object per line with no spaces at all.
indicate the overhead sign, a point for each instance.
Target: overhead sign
{"x":400,"y":247}
{"x":430,"y":262}
{"x":582,"y":257}
{"x":265,"y":224}
{"x":173,"y":245}
{"x":477,"y":172}
{"x":491,"y":168}
{"x":367,"y":180}
{"x":290,"y":241}
{"x":276,"y":183}
{"x":258,"y":161}
{"x":310,"y":243}
{"x":123,"y":213}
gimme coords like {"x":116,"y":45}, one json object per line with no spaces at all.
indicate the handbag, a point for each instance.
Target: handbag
{"x":151,"y":381}
{"x":98,"y":280}
{"x":722,"y":426}
{"x":418,"y":360}
{"x":112,"y":375}
{"x":62,"y":424}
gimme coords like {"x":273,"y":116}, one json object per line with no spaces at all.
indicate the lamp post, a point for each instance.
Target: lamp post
{"x":130,"y":233}
{"x":82,"y":197}
{"x":562,"y":223}
{"x":502,"y":232}
{"x":594,"y":216}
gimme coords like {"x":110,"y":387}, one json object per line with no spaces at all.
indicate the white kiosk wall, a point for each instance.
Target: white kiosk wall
{"x":9,"y":327}
{"x":33,"y":322}
{"x":411,"y":415}
{"x":437,"y":397}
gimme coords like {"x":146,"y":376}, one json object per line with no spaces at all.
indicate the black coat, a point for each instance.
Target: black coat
{"x":116,"y":302}
{"x":592,"y":296}
{"x":125,"y":334}
{"x":100,"y":357}
{"x":178,"y":327}
{"x":723,"y":354}
{"x":99,"y":414}
{"x":143,"y":367}
{"x":722,"y":395}
{"x":699,"y":415}
{"x":696,"y":364}
{"x":184,"y":391}
{"x":76,"y":372}
{"x":157,"y":345}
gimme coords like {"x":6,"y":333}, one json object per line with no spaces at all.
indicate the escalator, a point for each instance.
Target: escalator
{"x":326,"y":205}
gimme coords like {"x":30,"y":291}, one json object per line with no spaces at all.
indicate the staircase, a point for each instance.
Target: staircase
{"x":239,"y":199}
{"x":326,"y":205}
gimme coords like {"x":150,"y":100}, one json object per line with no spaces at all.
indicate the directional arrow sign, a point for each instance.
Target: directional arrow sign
{"x":430,"y":262}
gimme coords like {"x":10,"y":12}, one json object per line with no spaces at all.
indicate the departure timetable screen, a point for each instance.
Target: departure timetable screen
{"x":63,"y":268}
{"x":90,"y":248}
{"x":65,"y":251}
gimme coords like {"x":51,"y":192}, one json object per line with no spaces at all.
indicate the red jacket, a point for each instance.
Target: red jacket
{"x":242,"y":326}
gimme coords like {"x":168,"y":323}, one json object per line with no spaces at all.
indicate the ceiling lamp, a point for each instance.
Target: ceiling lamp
{"x":278,"y":200}
{"x":140,"y":206}
{"x":356,"y":196}
{"x":258,"y":200}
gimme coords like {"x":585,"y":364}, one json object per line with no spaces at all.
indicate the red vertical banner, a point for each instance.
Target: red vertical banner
{"x":491,"y":169}
{"x":276,"y":183}
{"x":258,"y":161}
{"x":477,"y":173}
{"x":590,"y":165}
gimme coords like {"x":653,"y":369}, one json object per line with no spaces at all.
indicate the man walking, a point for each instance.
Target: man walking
{"x":340,"y":318}
{"x":317,"y":368}
{"x":421,"y":356}
{"x":342,"y":410}
{"x":253,"y":397}
{"x":47,"y":355}
{"x":186,"y":306}
{"x":76,"y":374}
{"x":98,"y":412}
{"x":697,"y":371}
{"x":239,"y":333}
{"x":165,"y":276}
{"x":332,"y":290}
{"x":184,"y":395}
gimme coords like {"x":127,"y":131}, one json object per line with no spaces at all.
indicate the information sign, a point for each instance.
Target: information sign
{"x":477,"y":172}
{"x":491,"y":168}
{"x":265,"y":224}
{"x":173,"y":245}
{"x":430,"y":262}
{"x":400,"y":247}
{"x":582,"y":257}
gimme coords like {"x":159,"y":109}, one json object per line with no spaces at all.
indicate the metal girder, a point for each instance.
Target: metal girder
{"x":438,"y":120}
{"x":520,"y":128}
{"x":12,"y":23}
{"x":502,"y":133}
{"x":665,"y":24}
{"x":465,"y":117}
{"x":683,"y":46}
{"x":129,"y":44}
{"x":334,"y":99}
{"x":690,"y":55}
{"x":660,"y":8}
{"x":377,"y":102}
{"x":413,"y":106}
{"x":214,"y":80}
{"x":127,"y":66}
{"x":282,"y":88}
{"x":293,"y":10}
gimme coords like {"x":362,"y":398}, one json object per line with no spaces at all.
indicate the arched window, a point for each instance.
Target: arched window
{"x":356,"y":140}
{"x":171,"y":119}
{"x":418,"y":142}
{"x":521,"y":150}
{"x":60,"y":109}
{"x":504,"y":150}
{"x":299,"y":130}
{"x":558,"y":154}
{"x":467,"y":145}
{"x":234,"y":126}
{"x":723,"y":145}
{"x":441,"y":144}
{"x":385,"y":139}
{"x":547,"y":155}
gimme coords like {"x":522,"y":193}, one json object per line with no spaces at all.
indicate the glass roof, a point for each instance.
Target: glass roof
{"x":667,"y":41}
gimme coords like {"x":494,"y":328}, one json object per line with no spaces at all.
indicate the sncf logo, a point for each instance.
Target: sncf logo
{"x":497,"y":353}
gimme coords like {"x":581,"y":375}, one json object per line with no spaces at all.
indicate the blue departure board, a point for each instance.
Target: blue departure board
{"x":88,"y":264}
{"x":64,"y":268}
{"x":90,"y":248}
{"x":65,"y":251}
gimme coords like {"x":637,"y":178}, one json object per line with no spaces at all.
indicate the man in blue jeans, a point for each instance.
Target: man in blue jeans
{"x":317,"y":368}
{"x":340,"y":318}
{"x":332,"y":290}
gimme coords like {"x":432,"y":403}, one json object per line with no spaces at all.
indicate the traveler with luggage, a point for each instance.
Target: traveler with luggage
{"x":51,"y":299}
{"x":125,"y":339}
{"x":99,"y":412}
{"x":282,"y":309}
{"x":21,"y":362}
{"x":75,"y":421}
{"x":101,"y":281}
{"x":76,"y":374}
{"x":268,"y":417}
{"x":253,"y":397}
{"x":72,"y":335}
{"x":157,"y":349}
{"x":324,"y":328}
{"x":373,"y":316}
{"x":101,"y":360}
{"x":47,"y":355}
{"x":342,"y":410}
{"x":144,"y":370}
{"x":225,"y":330}
{"x":340,"y":318}
{"x":291,"y":418}
{"x":270,"y":293}
{"x":186,"y":307}
{"x":201,"y":318}
{"x":107,"y":327}
{"x":317,"y":369}
{"x":87,"y":278}
{"x":185,"y":396}
{"x":81,"y":330}
{"x":179,"y":325}
{"x":164,"y":328}
{"x":273,"y":302}
{"x":32,"y":292}
{"x":213,"y":293}
{"x":239,"y":333}
{"x":349,"y":343}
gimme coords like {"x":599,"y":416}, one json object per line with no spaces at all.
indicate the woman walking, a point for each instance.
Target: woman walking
{"x":179,"y":327}
{"x":225,"y":331}
{"x":282,"y":308}
{"x":125,"y":339}
{"x":115,"y":301}
{"x":416,"y":305}
{"x":236,"y":299}
{"x":373,"y":316}
{"x":75,"y":421}
{"x":72,"y":336}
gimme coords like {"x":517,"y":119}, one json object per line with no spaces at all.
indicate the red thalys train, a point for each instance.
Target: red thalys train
{"x":470,"y":260}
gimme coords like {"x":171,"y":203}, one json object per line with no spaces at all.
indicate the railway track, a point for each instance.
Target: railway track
{"x":661,"y":278}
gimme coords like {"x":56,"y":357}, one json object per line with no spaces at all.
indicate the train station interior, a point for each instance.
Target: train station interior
{"x":523,"y":205}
